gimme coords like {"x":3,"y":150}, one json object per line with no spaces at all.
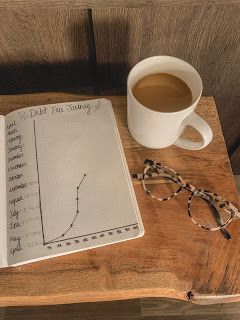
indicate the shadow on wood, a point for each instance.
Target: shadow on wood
{"x":44,"y":51}
{"x":112,"y":53}
{"x":41,"y":77}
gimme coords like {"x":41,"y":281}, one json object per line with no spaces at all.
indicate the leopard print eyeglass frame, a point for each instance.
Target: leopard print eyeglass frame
{"x":216,"y":204}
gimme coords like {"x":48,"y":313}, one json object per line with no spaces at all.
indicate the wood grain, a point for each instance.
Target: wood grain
{"x":194,"y":317}
{"x":203,"y":34}
{"x":86,"y":4}
{"x":173,"y":258}
{"x":118,"y":36}
{"x":235,"y":162}
{"x":237,"y":181}
{"x":46,"y":50}
{"x":172,"y":307}
{"x":155,"y":309}
{"x":2,"y":313}
{"x":128,"y":309}
{"x":43,"y":50}
{"x":104,"y":310}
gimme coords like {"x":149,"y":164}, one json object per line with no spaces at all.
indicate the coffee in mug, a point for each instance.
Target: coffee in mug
{"x":163,"y":92}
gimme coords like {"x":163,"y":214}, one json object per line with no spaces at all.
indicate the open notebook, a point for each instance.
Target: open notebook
{"x":65,"y":184}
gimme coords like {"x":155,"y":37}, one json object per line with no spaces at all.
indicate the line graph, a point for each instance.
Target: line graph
{"x":60,"y":237}
{"x":75,"y":217}
{"x":59,"y":229}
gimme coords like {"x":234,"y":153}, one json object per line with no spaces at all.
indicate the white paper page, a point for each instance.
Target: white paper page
{"x":71,"y":188}
{"x":3,"y":209}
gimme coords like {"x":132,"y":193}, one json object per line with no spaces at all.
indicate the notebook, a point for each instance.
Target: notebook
{"x":64,"y":181}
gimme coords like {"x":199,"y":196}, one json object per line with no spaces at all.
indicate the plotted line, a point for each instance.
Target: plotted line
{"x":75,"y":217}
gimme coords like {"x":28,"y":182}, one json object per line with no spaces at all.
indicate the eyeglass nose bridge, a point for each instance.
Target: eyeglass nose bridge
{"x":148,"y":162}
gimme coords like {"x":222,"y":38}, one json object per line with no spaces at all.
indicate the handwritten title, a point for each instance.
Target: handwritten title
{"x":33,"y":112}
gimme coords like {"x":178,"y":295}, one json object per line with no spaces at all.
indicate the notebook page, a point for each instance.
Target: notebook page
{"x":70,"y":189}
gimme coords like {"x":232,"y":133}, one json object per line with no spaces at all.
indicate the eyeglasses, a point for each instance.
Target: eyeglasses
{"x":219,"y":212}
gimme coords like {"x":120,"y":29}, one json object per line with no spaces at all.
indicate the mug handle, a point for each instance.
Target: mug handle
{"x":202,"y":127}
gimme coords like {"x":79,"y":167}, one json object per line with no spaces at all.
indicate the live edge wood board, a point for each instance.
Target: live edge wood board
{"x":174,"y":258}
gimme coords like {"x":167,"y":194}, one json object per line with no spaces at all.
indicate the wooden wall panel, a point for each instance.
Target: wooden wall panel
{"x":86,"y":4}
{"x":43,"y":50}
{"x":118,"y":35}
{"x":207,"y":36}
{"x":51,"y":49}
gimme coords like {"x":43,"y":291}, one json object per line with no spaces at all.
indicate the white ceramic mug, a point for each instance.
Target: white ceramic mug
{"x":155,"y":129}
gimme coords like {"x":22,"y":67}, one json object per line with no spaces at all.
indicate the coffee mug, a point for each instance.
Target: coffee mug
{"x":154,"y":129}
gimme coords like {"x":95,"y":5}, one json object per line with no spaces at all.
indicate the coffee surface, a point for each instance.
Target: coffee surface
{"x":163,"y":92}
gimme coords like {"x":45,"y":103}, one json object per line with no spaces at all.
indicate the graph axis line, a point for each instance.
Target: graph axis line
{"x":90,"y":234}
{"x":38,"y":177}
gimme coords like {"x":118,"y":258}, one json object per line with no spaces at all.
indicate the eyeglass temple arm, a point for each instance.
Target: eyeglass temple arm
{"x":218,"y":219}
